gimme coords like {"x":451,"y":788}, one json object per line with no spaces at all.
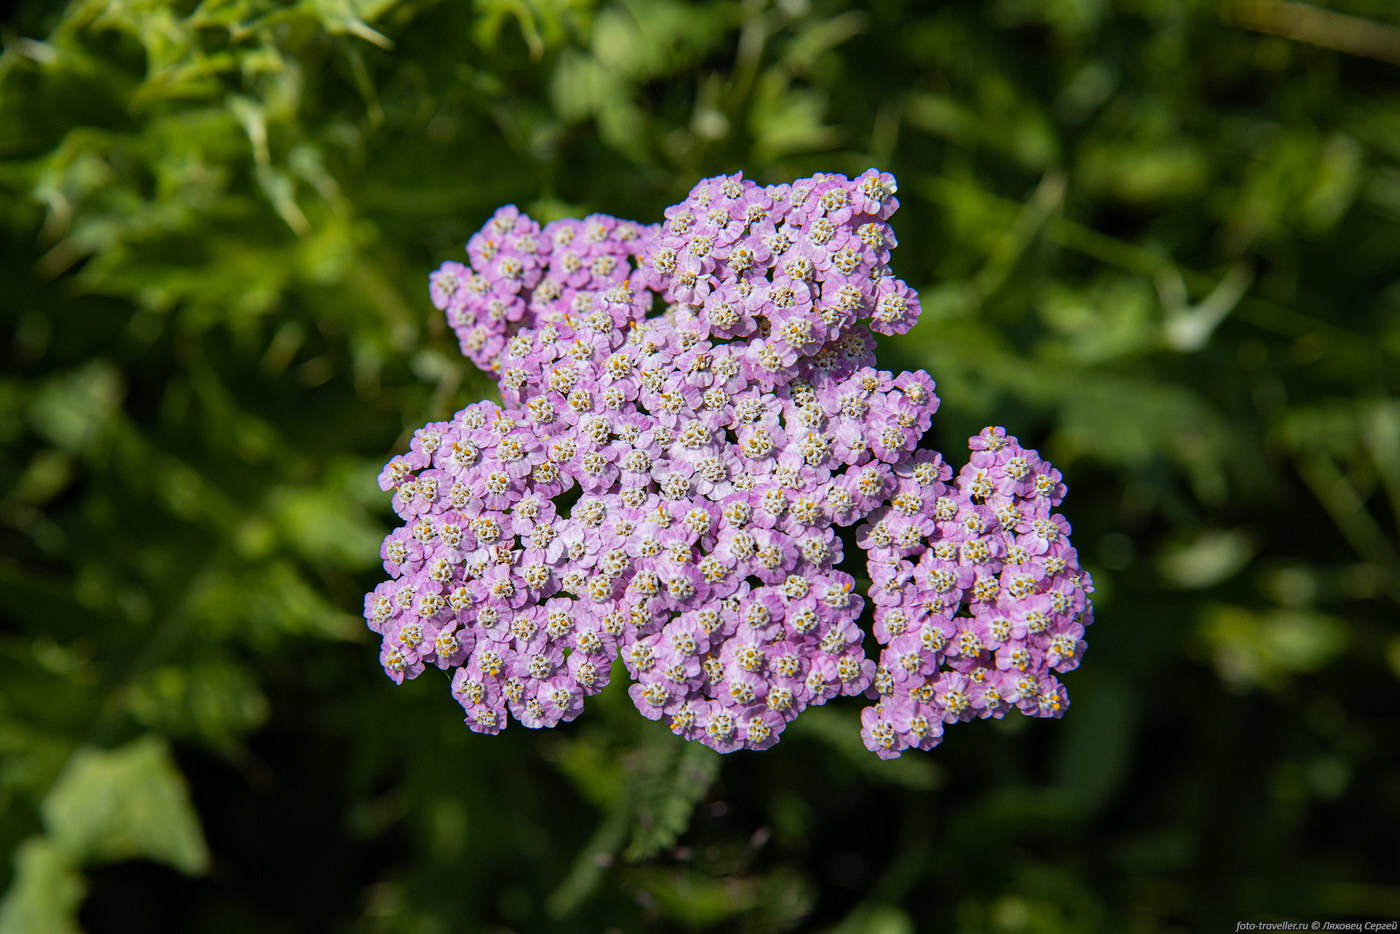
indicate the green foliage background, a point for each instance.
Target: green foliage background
{"x":1160,"y":245}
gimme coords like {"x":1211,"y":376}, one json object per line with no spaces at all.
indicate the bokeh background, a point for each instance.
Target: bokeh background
{"x":1159,"y":239}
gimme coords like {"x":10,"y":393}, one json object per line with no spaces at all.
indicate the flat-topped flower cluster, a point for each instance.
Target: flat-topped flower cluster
{"x":674,"y":487}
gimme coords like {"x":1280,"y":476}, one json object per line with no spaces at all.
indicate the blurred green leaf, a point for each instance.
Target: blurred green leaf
{"x":1213,"y":556}
{"x":72,"y":409}
{"x":215,"y":701}
{"x":666,"y":799}
{"x":126,"y":803}
{"x":45,"y":893}
{"x":1264,"y":648}
{"x":878,"y":919}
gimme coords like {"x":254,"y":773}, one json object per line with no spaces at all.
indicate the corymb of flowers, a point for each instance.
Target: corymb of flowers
{"x":693,"y":432}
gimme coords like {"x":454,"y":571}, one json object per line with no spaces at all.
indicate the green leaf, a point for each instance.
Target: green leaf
{"x":46,"y":892}
{"x":213,"y":700}
{"x":876,"y":919}
{"x":126,"y":803}
{"x":1213,"y":556}
{"x":73,"y":408}
{"x":667,"y":798}
{"x":655,"y":791}
{"x":1265,"y":648}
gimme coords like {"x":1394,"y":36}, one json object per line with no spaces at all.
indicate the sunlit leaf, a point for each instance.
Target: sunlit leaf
{"x":126,"y":803}
{"x":44,"y":895}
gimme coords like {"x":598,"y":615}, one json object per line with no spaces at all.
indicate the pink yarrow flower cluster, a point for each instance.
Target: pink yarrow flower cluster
{"x":681,"y":489}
